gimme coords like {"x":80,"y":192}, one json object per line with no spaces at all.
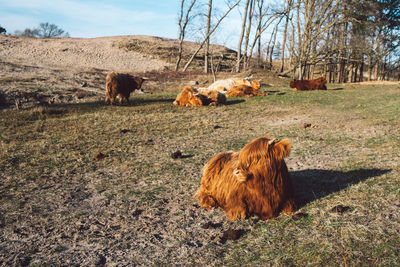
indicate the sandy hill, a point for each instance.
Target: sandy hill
{"x":73,"y":69}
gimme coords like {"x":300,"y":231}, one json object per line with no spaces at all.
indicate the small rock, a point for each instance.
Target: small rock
{"x":22,"y":261}
{"x":340,"y":208}
{"x":137,"y":212}
{"x":232,"y":234}
{"x":176,"y":155}
{"x":99,"y":156}
{"x":299,"y":215}
{"x":307,"y":125}
{"x":211,"y":225}
{"x":149,"y":142}
{"x":99,"y":260}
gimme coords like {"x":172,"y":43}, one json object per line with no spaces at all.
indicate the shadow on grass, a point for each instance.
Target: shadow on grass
{"x":145,"y":101}
{"x":337,"y":89}
{"x":313,"y":184}
{"x":133,"y":101}
{"x":234,"y":102}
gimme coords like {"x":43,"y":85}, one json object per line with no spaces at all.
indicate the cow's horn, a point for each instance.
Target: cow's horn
{"x":272,"y":141}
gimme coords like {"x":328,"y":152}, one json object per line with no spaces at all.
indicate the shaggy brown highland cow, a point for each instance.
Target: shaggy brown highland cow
{"x":254,"y":181}
{"x":121,"y":84}
{"x":243,"y":91}
{"x":308,"y":85}
{"x":216,"y":98}
{"x":191,"y":97}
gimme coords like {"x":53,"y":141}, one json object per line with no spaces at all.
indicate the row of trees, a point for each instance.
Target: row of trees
{"x":44,"y":30}
{"x":339,"y":39}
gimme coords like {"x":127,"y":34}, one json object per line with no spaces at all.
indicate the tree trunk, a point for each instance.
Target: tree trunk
{"x":207,"y":47}
{"x":361,"y":76}
{"x":247,"y":36}
{"x":273,"y":44}
{"x":370,"y":67}
{"x":284,"y":36}
{"x":239,"y":52}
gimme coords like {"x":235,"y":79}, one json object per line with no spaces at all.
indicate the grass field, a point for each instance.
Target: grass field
{"x":59,"y":206}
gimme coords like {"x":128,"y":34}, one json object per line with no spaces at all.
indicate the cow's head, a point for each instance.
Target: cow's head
{"x":261,"y":157}
{"x":255,"y":84}
{"x":293,"y":83}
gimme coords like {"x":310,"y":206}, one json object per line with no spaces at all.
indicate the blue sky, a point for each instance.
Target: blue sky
{"x":90,"y":18}
{"x":97,"y":18}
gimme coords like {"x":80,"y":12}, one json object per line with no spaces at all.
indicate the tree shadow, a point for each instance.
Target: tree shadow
{"x":313,"y":184}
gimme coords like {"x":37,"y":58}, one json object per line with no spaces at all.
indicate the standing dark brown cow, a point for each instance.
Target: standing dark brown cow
{"x":121,"y":84}
{"x":308,"y":85}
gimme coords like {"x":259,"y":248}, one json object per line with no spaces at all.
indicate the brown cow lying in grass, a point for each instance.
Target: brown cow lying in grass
{"x":121,"y":84}
{"x":224,"y":86}
{"x":243,"y":91}
{"x":254,"y":181}
{"x":191,"y":97}
{"x":308,"y":85}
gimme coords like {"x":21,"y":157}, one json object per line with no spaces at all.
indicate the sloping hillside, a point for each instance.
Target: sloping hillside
{"x":58,"y":70}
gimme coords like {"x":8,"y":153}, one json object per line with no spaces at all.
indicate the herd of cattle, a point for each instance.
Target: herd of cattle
{"x":253,"y":181}
{"x":122,"y":85}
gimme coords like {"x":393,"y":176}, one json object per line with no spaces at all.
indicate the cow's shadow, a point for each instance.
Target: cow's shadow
{"x":234,"y":102}
{"x":146,"y":101}
{"x":312,"y":184}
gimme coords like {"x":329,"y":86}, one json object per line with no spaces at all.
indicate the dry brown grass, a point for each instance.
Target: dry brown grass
{"x":59,"y":206}
{"x":167,"y":49}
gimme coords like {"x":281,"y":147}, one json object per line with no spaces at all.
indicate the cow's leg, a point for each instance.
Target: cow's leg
{"x":112,"y":99}
{"x":235,"y":211}
{"x":121,"y":98}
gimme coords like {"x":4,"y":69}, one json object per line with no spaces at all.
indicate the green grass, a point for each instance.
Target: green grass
{"x":50,"y":180}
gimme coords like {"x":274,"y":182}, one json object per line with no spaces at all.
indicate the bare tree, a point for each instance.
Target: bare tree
{"x":311,"y":25}
{"x":47,"y":30}
{"x":3,"y":30}
{"x":185,"y":17}
{"x":28,"y":32}
{"x":287,"y":15}
{"x":263,"y":25}
{"x":230,"y":8}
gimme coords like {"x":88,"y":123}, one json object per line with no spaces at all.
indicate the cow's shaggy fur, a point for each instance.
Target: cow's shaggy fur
{"x":121,"y":85}
{"x":254,"y":181}
{"x":308,"y":85}
{"x":192,"y":97}
{"x":243,"y":91}
{"x":215,"y":97}
{"x":225,"y":85}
